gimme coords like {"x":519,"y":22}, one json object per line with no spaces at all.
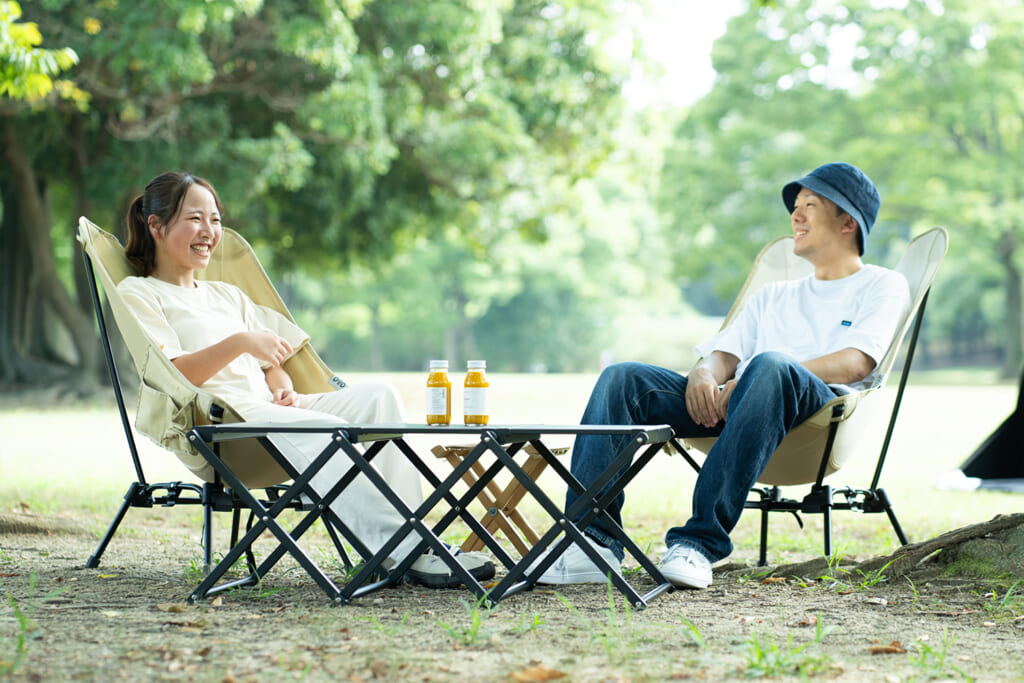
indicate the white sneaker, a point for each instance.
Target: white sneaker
{"x":686,"y":567}
{"x":431,"y":571}
{"x":575,"y":567}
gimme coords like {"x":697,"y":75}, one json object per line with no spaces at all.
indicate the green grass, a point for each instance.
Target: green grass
{"x":74,"y":462}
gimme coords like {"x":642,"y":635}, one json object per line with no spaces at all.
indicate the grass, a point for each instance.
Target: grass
{"x":766,"y":659}
{"x":90,"y":453}
{"x":472,"y":632}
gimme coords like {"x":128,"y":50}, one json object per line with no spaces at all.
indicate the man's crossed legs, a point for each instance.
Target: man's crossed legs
{"x":773,"y":395}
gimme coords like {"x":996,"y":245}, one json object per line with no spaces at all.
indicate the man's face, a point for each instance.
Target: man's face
{"x":817,"y":224}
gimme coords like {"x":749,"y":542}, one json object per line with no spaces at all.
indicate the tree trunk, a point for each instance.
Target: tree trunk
{"x":1014,"y":305}
{"x":376,"y":338}
{"x":36,"y":308}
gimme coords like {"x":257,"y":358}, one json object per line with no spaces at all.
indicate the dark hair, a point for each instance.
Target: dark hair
{"x":162,"y":198}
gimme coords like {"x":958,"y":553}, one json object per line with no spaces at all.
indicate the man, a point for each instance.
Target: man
{"x":794,"y":347}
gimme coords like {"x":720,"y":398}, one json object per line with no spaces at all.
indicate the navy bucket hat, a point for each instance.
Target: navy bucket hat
{"x":845,"y":185}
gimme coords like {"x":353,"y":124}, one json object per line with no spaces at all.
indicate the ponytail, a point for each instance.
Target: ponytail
{"x":141,"y":249}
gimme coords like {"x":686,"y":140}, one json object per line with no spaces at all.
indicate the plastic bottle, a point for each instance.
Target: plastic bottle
{"x":439,"y":394}
{"x":474,"y":403}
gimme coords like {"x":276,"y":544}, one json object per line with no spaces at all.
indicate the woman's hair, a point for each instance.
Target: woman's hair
{"x":162,"y":198}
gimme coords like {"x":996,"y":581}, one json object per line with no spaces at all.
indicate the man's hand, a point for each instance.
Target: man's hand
{"x":709,"y":386}
{"x":703,"y":398}
{"x":724,"y":394}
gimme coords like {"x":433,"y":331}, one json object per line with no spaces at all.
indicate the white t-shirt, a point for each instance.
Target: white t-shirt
{"x":185,"y":320}
{"x":808,"y":318}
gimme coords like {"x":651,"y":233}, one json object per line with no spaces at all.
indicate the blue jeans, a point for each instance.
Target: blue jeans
{"x":774,"y":394}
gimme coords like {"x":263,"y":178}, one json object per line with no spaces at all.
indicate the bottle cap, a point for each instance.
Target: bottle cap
{"x":476,"y":364}
{"x":434,"y":364}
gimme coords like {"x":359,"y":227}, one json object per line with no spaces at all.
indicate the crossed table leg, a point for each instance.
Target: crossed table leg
{"x":361,"y":443}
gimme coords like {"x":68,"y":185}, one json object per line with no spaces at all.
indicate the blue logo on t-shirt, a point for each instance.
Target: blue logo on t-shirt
{"x":847,"y":323}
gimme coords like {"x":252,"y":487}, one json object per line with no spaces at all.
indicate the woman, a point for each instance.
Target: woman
{"x":220,"y":340}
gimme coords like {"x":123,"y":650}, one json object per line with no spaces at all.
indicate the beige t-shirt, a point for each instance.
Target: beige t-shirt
{"x":185,"y":320}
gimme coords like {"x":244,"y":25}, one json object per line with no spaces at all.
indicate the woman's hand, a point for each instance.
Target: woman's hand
{"x":286,"y":397}
{"x":267,"y":347}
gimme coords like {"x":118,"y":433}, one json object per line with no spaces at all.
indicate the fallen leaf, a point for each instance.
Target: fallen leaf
{"x":172,"y":607}
{"x":110,"y":613}
{"x":893,"y":648}
{"x":107,"y":576}
{"x":380,"y":668}
{"x":535,"y":674}
{"x":773,"y":579}
{"x":877,"y":601}
{"x":809,"y":620}
{"x":6,"y":574}
{"x":217,"y":601}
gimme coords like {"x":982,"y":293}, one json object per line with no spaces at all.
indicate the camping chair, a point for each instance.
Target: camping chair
{"x":822,"y":444}
{"x":169,"y":406}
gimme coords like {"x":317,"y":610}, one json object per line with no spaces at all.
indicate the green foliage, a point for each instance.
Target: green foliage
{"x":348,"y":139}
{"x":925,"y":97}
{"x":26,"y":70}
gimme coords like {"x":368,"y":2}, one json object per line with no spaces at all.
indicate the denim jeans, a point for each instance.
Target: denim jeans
{"x":774,"y":394}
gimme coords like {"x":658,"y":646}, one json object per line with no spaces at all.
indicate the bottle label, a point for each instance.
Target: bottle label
{"x":474,"y":401}
{"x":437,"y":401}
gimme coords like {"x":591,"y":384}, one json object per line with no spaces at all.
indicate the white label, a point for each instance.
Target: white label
{"x":474,"y":401}
{"x":437,"y":400}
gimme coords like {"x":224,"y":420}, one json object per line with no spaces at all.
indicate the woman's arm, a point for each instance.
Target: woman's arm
{"x":201,"y":365}
{"x":280,"y":383}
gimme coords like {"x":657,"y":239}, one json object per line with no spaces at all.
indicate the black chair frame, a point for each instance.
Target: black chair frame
{"x":212,"y":496}
{"x":822,"y":498}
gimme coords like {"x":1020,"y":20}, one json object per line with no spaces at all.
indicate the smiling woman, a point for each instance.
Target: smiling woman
{"x":171,"y":199}
{"x":235,"y":349}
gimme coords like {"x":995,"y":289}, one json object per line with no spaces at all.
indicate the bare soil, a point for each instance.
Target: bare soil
{"x":128,"y":620}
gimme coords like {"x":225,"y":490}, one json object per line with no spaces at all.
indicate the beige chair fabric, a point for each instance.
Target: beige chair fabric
{"x":169,"y":405}
{"x":798,"y":459}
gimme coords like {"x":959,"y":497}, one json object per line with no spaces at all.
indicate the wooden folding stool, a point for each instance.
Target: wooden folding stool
{"x":500,"y":503}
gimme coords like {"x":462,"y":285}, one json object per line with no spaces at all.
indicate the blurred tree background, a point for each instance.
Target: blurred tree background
{"x":468,"y":178}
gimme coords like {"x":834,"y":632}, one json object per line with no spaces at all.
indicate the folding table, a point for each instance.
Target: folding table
{"x":501,"y":443}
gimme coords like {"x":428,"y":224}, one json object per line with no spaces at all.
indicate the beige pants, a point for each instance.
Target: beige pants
{"x":361,"y":506}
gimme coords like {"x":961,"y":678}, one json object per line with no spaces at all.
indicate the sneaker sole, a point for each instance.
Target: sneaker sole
{"x":481,"y":573}
{"x":683,"y":581}
{"x":583,"y":577}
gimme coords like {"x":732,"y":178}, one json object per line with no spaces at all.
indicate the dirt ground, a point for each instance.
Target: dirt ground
{"x":127,"y":620}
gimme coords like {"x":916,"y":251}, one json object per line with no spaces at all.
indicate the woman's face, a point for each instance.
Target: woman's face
{"x":187,"y":241}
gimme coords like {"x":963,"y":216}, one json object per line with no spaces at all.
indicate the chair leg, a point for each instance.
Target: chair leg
{"x":826,"y":515}
{"x":883,"y":498}
{"x":762,"y":560}
{"x":129,"y":498}
{"x":207,"y":537}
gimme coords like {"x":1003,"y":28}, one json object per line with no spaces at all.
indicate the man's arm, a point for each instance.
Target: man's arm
{"x":841,"y":367}
{"x":703,"y":397}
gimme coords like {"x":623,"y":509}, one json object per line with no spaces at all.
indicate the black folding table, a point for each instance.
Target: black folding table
{"x":497,"y":444}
